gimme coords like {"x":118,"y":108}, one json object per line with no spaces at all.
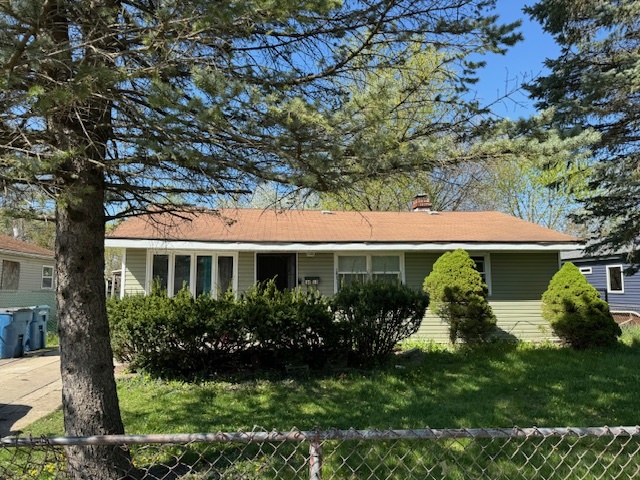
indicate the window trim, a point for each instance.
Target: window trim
{"x":487,"y":269}
{"x":52,"y":277}
{"x":608,"y":270}
{"x":368,"y":256}
{"x":194,"y":254}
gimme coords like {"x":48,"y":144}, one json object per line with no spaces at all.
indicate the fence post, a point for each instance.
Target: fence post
{"x":315,"y":458}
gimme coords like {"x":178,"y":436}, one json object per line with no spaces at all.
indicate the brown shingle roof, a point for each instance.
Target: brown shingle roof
{"x":10,"y":244}
{"x":314,"y":226}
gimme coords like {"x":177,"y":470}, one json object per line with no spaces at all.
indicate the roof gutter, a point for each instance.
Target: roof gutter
{"x":337,"y":246}
{"x":16,"y":253}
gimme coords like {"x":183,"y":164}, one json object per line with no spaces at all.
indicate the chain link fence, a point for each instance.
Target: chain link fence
{"x":517,"y":453}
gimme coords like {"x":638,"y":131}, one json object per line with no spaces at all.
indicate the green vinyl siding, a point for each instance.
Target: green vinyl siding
{"x":135,"y":274}
{"x":318,"y":265}
{"x":417,"y":265}
{"x":518,"y":281}
{"x":520,"y":320}
{"x":246,"y":271}
{"x":521,"y":276}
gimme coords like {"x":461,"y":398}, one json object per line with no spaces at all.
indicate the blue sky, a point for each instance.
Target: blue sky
{"x":523,"y":61}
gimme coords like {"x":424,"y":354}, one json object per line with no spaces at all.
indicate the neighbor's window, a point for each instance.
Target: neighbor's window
{"x":586,"y":270}
{"x":47,"y":277}
{"x":615,"y":283}
{"x":10,"y":275}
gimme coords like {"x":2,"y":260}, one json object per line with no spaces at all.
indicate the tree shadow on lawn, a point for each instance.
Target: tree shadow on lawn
{"x":491,"y":386}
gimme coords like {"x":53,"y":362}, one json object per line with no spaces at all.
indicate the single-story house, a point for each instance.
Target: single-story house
{"x":235,"y":248}
{"x":608,"y":273}
{"x":26,"y":275}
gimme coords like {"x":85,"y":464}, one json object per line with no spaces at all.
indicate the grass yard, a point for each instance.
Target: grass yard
{"x":499,"y":385}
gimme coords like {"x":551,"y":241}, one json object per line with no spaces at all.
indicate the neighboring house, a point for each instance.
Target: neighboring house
{"x":325,"y":249}
{"x":606,"y":272}
{"x":26,"y":275}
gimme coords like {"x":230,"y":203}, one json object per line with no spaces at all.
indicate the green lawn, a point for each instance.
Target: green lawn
{"x":493,"y":386}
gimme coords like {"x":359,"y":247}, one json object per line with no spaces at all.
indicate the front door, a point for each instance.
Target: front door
{"x":281,"y":266}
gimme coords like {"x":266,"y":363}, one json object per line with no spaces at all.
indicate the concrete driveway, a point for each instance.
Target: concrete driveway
{"x":30,"y":388}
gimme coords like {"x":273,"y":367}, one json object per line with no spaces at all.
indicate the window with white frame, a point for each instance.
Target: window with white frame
{"x":586,"y":270}
{"x":199,"y":272}
{"x":360,"y":267}
{"x":386,"y":267}
{"x":615,"y":281}
{"x":47,"y":277}
{"x":351,"y":268}
{"x":482,"y":266}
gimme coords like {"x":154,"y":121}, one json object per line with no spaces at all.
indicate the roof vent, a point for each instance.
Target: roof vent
{"x":421,"y":203}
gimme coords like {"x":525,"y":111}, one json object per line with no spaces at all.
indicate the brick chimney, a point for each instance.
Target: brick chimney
{"x":421,"y":203}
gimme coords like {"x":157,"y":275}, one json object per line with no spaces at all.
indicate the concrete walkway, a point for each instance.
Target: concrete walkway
{"x":30,"y":388}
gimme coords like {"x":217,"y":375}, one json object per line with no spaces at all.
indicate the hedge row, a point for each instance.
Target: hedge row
{"x":263,"y":328}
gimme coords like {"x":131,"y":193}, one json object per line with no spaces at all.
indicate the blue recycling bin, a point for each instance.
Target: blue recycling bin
{"x":13,"y":330}
{"x":36,"y":337}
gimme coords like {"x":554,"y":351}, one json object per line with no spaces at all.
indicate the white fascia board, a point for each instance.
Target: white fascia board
{"x":336,"y":247}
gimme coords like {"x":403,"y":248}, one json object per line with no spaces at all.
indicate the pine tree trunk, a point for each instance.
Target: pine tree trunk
{"x":89,"y":396}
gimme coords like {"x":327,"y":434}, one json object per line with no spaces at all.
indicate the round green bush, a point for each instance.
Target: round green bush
{"x":576,"y":312}
{"x":459,"y":297}
{"x":374,"y":316}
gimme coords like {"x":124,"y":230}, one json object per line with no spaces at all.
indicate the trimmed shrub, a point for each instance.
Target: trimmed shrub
{"x":576,"y":312}
{"x":289,"y":326}
{"x":459,"y":297}
{"x":177,"y":335}
{"x":182,"y":336}
{"x":374,"y":316}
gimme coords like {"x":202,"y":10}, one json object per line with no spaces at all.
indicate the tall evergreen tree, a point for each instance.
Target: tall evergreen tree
{"x":594,"y":83}
{"x":126,"y":104}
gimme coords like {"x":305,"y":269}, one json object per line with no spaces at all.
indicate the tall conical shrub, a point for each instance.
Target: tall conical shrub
{"x":576,"y":312}
{"x":459,"y":297}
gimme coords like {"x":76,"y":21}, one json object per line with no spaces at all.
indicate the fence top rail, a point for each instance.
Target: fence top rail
{"x":315,"y":436}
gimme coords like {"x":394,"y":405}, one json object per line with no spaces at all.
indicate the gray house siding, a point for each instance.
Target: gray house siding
{"x":30,"y":271}
{"x":29,"y":292}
